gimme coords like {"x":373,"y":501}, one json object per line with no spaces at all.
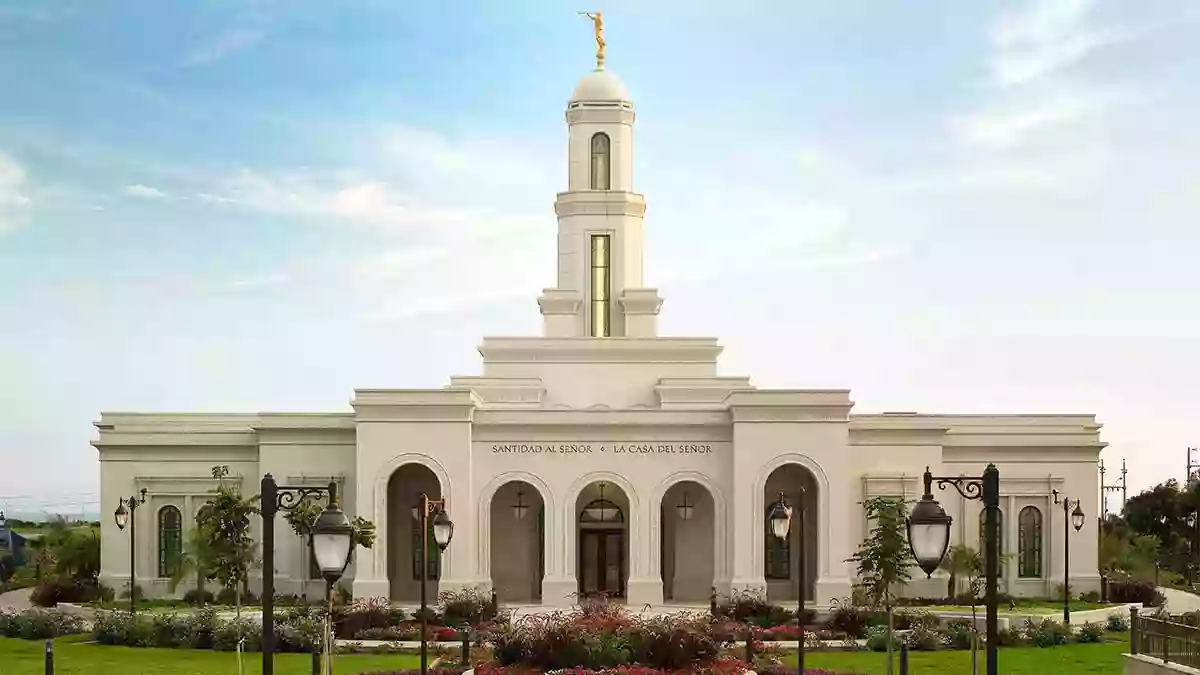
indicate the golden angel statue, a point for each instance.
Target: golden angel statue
{"x":598,"y":24}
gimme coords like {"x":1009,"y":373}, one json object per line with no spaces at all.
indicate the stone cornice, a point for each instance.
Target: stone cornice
{"x":641,"y":301}
{"x":271,"y":421}
{"x":183,"y":485}
{"x":524,"y":392}
{"x":111,"y":439}
{"x":600,"y":203}
{"x":591,"y":418}
{"x":606,"y":112}
{"x":560,"y":301}
{"x":888,"y":485}
{"x":599,"y":350}
{"x":681,"y":393}
{"x":790,"y":405}
{"x":414,"y":405}
{"x":896,"y":436}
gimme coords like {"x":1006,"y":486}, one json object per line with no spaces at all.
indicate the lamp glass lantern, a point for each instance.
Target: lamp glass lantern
{"x":780,"y":518}
{"x":1077,"y":517}
{"x":520,"y":508}
{"x":685,"y":509}
{"x":121,"y":515}
{"x":443,"y":529}
{"x":332,"y":542}
{"x":929,"y":534}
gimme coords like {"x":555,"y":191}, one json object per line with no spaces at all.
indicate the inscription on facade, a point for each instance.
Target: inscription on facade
{"x":602,"y":448}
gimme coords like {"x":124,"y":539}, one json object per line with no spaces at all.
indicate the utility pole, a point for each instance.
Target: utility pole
{"x":1193,"y":468}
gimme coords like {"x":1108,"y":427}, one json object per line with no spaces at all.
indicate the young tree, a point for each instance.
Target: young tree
{"x":884,"y":559}
{"x":959,"y":563}
{"x":196,"y":558}
{"x":302,"y":517}
{"x":224,"y":525}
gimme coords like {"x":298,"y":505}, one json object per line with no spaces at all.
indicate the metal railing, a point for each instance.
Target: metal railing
{"x":1164,"y":638}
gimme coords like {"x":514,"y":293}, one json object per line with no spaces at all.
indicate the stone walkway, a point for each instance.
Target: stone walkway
{"x":16,"y":599}
{"x":1180,"y":602}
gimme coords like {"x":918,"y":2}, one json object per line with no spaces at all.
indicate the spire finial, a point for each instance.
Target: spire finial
{"x":598,"y":26}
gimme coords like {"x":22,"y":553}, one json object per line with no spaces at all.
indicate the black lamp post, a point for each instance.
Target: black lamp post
{"x":274,"y":498}
{"x":1193,"y":522}
{"x":332,"y":542}
{"x":1070,"y":519}
{"x":929,"y":537}
{"x":443,"y":530}
{"x":781,"y":522}
{"x":124,"y":516}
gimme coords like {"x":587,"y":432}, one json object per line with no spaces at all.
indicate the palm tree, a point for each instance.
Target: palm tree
{"x":195,"y":558}
{"x":960,"y":562}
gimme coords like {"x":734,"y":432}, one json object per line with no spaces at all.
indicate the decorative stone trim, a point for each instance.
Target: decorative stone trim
{"x":600,"y":350}
{"x":183,"y":486}
{"x":601,"y":203}
{"x":641,"y":301}
{"x":559,"y":301}
{"x":526,"y":392}
{"x":706,"y":392}
{"x":790,"y":405}
{"x":415,"y":405}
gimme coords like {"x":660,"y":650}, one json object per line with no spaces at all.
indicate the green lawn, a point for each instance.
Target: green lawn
{"x":1047,"y":608}
{"x":73,"y":657}
{"x":25,"y":657}
{"x":1065,"y":660}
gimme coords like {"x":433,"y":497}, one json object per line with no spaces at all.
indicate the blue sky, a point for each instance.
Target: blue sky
{"x":946,"y":206}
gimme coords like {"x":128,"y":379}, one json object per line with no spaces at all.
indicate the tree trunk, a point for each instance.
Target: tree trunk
{"x":890,"y":636}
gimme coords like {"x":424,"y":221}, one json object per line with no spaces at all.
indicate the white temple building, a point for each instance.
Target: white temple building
{"x":603,"y":457}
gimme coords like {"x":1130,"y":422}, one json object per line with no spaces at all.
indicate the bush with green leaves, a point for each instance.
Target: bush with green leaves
{"x":466,"y":607}
{"x":1090,"y":632}
{"x":38,"y":624}
{"x":1116,"y":623}
{"x":1046,"y":633}
{"x":878,"y":637}
{"x":959,"y":633}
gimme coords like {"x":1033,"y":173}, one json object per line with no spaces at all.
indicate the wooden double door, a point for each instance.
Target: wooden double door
{"x":602,"y":562}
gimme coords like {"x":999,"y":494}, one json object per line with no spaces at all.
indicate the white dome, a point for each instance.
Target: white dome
{"x":600,"y":85}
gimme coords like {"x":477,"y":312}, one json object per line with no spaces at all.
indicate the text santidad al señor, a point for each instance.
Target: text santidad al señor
{"x":593,"y":448}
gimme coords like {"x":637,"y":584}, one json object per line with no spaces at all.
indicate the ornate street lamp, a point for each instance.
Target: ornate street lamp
{"x":686,"y":510}
{"x":443,"y":531}
{"x":124,"y":516}
{"x":332,"y":542}
{"x":781,"y":525}
{"x":929,"y":537}
{"x":1070,"y":519}
{"x":273,"y":499}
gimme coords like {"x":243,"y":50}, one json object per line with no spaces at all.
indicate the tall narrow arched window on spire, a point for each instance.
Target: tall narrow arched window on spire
{"x":601,"y":164}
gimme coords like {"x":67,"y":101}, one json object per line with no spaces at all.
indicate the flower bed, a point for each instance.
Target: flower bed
{"x":725,"y":667}
{"x":38,"y":623}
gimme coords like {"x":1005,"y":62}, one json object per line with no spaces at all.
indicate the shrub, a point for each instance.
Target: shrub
{"x":1090,"y":596}
{"x":194,"y":597}
{"x":229,"y":597}
{"x":1090,"y":632}
{"x":50,"y":593}
{"x":959,"y":633}
{"x":1010,"y":637}
{"x":752,"y":607}
{"x":1135,"y":591}
{"x":852,"y":621}
{"x":365,"y":614}
{"x":299,"y":633}
{"x":466,"y":607}
{"x":120,"y":628}
{"x":923,"y":638}
{"x":38,"y":624}
{"x":1046,"y":633}
{"x":878,"y":637}
{"x":229,"y":633}
{"x":1116,"y":623}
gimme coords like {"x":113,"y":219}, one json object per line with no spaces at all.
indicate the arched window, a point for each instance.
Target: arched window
{"x":170,"y":541}
{"x":1029,"y":543}
{"x":779,"y":551}
{"x":435,"y":552}
{"x":601,"y":166}
{"x":999,"y":535}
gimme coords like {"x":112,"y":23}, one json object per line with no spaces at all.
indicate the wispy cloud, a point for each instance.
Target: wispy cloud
{"x":144,"y":191}
{"x":223,"y":45}
{"x":13,"y":199}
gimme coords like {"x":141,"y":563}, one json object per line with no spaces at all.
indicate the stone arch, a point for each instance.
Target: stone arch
{"x":379,"y":505}
{"x":488,"y":493}
{"x":720,"y":559}
{"x":636,"y":534}
{"x":759,"y":509}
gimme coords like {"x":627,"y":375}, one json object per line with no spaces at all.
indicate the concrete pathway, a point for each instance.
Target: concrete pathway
{"x":1180,"y":602}
{"x":16,"y":599}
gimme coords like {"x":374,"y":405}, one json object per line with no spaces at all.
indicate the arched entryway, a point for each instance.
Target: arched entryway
{"x":782,"y":559}
{"x":688,"y":529}
{"x":518,"y":552}
{"x":602,"y":559}
{"x":404,"y":555}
